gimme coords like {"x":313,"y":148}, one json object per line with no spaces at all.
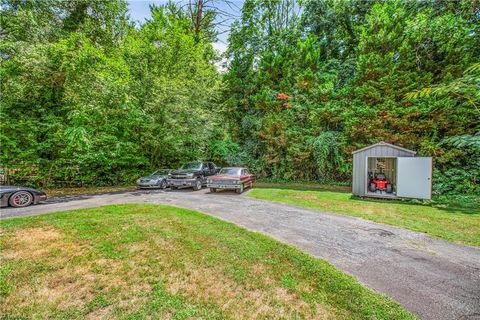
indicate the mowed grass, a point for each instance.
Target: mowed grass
{"x":457,"y":225}
{"x":159,"y":262}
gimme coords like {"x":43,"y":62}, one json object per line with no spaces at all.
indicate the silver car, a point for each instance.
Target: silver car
{"x":158,"y":179}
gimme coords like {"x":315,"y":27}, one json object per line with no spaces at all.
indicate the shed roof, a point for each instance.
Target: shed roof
{"x":384,"y":144}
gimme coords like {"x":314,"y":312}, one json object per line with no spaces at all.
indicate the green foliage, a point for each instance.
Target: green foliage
{"x":89,"y":99}
{"x":458,"y":170}
{"x":465,"y":87}
{"x":356,"y":73}
{"x":225,"y":151}
{"x":466,"y":141}
{"x":327,"y":153}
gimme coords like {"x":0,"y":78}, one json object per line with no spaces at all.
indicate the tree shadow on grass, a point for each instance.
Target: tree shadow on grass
{"x":470,"y":207}
{"x":306,"y":187}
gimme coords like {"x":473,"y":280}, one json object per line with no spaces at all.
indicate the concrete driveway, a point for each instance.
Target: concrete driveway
{"x":432,"y":278}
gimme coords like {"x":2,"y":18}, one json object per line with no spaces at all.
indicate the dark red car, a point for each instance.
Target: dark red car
{"x":233,"y":178}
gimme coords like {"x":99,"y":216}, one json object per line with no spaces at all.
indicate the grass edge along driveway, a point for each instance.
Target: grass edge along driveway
{"x":153,"y":261}
{"x":456,"y":225}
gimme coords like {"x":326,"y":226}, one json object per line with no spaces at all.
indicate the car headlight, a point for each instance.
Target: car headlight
{"x":189,"y":175}
{"x":138,"y":180}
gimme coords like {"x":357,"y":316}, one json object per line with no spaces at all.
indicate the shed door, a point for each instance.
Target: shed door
{"x":414,"y":177}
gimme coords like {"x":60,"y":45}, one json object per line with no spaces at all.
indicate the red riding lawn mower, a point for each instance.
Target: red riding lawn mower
{"x":380,"y":182}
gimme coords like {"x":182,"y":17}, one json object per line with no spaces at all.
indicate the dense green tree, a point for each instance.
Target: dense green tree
{"x":354,"y":73}
{"x":177,"y":88}
{"x":88,"y":98}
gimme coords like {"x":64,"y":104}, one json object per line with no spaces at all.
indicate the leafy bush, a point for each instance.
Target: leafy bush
{"x":327,"y":151}
{"x":458,"y":170}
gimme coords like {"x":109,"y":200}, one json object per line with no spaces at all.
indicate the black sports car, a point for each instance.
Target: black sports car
{"x":20,"y":196}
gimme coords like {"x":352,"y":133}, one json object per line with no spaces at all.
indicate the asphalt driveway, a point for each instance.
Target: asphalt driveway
{"x":432,"y":278}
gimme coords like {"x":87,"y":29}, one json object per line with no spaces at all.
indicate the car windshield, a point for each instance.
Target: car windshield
{"x":162,"y":172}
{"x":233,"y":171}
{"x":191,"y":166}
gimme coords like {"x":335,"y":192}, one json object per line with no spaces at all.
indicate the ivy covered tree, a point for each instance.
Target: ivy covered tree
{"x":346,"y":74}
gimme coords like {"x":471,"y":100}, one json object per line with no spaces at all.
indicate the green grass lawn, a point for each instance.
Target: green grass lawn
{"x":456,"y":225}
{"x":150,"y":261}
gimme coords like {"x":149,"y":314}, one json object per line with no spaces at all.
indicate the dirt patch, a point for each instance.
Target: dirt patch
{"x":103,"y":313}
{"x":36,"y":243}
{"x":86,"y":191}
{"x":208,"y":284}
{"x":67,"y":288}
{"x":57,"y":283}
{"x":69,"y":285}
{"x":303,"y":186}
{"x":47,"y":249}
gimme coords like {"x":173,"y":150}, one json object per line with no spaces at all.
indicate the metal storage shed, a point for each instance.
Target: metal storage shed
{"x":408,"y":176}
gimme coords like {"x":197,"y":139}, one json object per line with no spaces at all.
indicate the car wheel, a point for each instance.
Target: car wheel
{"x":213,"y":190}
{"x":163,"y":184}
{"x":389,"y":188}
{"x":21,"y":199}
{"x":198,"y":184}
{"x":240,"y":190}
